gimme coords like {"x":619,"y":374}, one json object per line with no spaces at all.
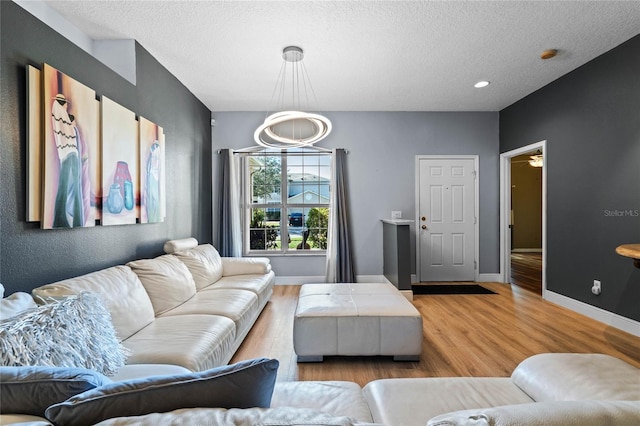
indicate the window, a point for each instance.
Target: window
{"x":286,"y":201}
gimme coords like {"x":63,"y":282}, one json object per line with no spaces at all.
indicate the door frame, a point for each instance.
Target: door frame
{"x":505,"y":211}
{"x":476,"y":212}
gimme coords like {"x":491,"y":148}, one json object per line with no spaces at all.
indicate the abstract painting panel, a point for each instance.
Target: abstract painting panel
{"x":152,"y":172}
{"x":34,"y":144}
{"x":120,"y":162}
{"x":71,"y":145}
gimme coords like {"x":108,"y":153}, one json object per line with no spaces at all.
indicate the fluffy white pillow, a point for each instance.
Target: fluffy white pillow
{"x":72,"y":332}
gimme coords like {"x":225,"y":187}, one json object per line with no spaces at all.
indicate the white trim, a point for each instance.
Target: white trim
{"x":505,"y":211}
{"x":58,"y":23}
{"x":293,"y":280}
{"x":489,"y":278}
{"x":609,"y":318}
{"x":526,"y":250}
{"x":476,"y":166}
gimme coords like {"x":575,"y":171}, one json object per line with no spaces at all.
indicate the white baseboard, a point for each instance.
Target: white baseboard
{"x":293,"y":280}
{"x":489,"y":278}
{"x":526,"y":250}
{"x":614,"y":320}
{"x":309,"y":279}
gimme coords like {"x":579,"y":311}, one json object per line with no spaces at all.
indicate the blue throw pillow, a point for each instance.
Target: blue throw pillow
{"x":30,"y":390}
{"x":242,"y":385}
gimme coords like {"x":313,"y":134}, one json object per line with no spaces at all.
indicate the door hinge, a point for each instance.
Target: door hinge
{"x":474,"y":174}
{"x":475,"y":265}
{"x":475,"y":220}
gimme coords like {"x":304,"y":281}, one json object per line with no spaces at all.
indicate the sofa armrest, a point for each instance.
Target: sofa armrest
{"x":245,"y":265}
{"x":569,"y":376}
{"x":553,"y":413}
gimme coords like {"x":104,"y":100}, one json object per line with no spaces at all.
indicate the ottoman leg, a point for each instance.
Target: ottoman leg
{"x":404,"y":358}
{"x":310,"y":358}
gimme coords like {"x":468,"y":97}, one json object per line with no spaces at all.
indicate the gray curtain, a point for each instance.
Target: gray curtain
{"x":229,"y":241}
{"x":339,"y":257}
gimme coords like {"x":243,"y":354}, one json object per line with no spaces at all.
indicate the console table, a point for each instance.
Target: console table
{"x":632,"y":251}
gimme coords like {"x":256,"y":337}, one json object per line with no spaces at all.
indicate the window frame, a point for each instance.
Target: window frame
{"x":248,"y":204}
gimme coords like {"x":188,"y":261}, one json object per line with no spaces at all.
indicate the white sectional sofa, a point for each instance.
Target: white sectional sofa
{"x":182,"y":313}
{"x":190,"y":307}
{"x":545,"y":389}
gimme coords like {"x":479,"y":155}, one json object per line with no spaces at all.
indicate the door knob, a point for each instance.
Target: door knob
{"x":424,"y":226}
{"x":423,"y":218}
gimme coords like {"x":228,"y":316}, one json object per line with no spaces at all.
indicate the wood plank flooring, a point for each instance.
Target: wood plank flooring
{"x":526,"y":271}
{"x":464,"y":335}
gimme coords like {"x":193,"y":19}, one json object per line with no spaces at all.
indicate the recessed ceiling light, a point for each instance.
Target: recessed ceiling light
{"x":481,"y":83}
{"x":548,"y":54}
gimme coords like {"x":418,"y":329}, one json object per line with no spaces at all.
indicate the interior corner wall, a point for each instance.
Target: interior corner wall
{"x":590,"y":119}
{"x":382,"y":148}
{"x":30,"y":256}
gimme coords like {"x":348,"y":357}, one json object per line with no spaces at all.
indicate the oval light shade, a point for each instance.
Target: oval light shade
{"x":292,"y":129}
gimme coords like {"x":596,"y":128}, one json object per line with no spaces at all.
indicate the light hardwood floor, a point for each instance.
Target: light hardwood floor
{"x":464,"y":335}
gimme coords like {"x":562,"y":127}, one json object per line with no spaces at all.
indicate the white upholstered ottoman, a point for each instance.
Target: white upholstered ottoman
{"x":355,"y":319}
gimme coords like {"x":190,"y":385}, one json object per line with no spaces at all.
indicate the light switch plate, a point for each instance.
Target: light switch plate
{"x":396,"y":214}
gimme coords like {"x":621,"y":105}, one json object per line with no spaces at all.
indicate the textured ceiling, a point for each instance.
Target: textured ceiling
{"x":364,"y":55}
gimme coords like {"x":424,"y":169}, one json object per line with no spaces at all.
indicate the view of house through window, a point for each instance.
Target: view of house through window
{"x":287,"y":200}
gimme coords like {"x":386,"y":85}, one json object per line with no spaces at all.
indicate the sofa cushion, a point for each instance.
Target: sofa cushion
{"x":552,"y":413}
{"x":182,"y":244}
{"x":167,"y":281}
{"x":119,"y":288}
{"x":566,"y":377}
{"x":260,"y":284}
{"x":242,"y":385}
{"x":137,"y":371}
{"x":196,"y":342}
{"x":30,"y":390}
{"x":203,"y":262}
{"x":241,"y":306}
{"x":416,"y":400}
{"x":338,"y":398}
{"x":15,"y":304}
{"x":281,"y":416}
{"x":72,"y":332}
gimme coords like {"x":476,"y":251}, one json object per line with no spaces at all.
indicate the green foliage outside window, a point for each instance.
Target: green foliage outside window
{"x":261,"y":235}
{"x":317,"y":223}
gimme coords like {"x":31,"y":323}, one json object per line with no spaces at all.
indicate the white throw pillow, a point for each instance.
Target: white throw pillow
{"x":72,"y":332}
{"x":15,"y":304}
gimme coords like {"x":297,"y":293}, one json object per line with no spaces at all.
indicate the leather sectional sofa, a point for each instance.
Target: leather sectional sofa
{"x":189,"y":310}
{"x":189,"y":307}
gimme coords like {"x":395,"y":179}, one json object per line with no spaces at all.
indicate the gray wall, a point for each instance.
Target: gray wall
{"x":381,"y":173}
{"x":591,"y":121}
{"x":29,"y":256}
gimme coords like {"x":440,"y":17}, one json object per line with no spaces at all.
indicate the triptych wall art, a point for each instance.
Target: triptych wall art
{"x":89,"y":161}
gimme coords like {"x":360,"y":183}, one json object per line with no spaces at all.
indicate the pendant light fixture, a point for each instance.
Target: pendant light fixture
{"x":291,"y":127}
{"x":536,"y":160}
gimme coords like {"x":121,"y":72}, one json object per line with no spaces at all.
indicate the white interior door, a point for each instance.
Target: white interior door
{"x":447,"y":218}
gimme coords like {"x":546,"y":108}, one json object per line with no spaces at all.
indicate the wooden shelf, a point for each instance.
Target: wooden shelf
{"x":630,"y":250}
